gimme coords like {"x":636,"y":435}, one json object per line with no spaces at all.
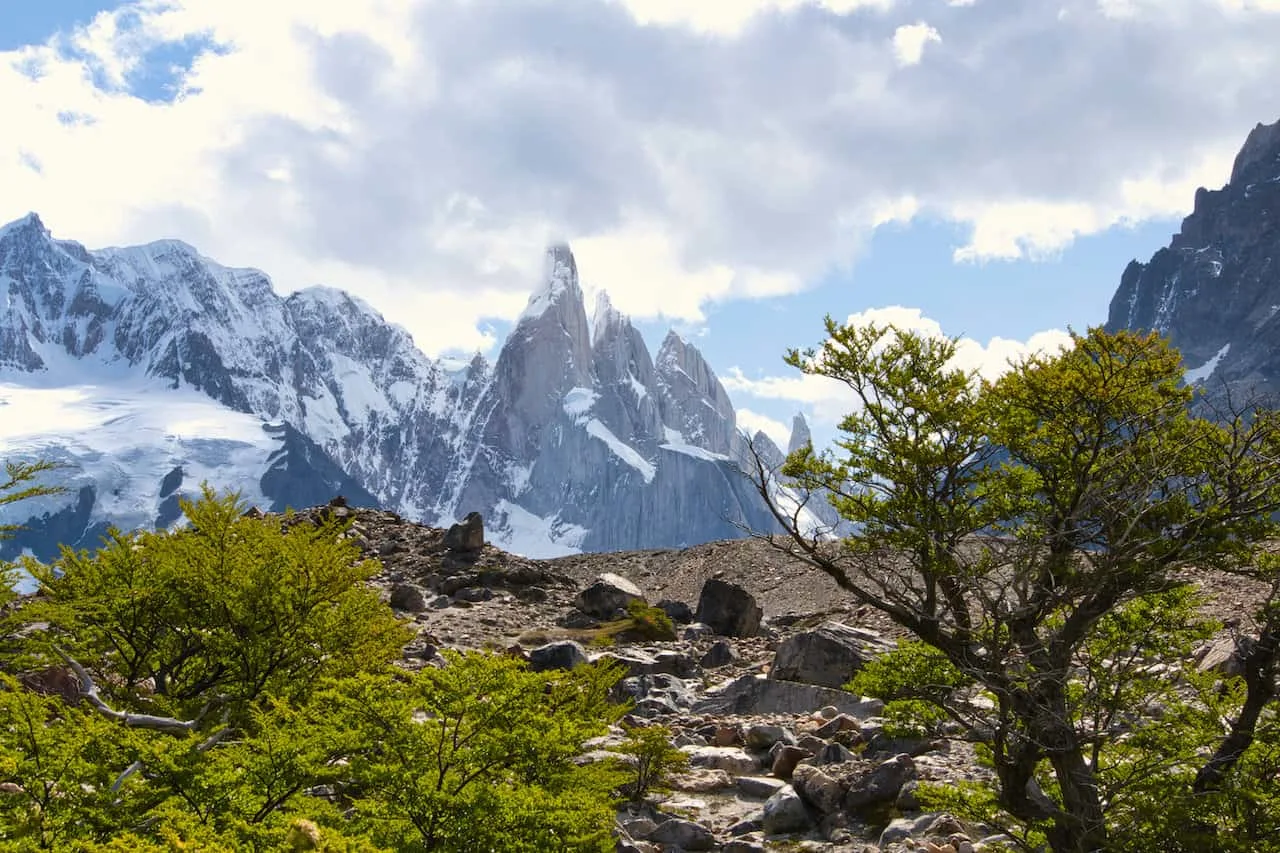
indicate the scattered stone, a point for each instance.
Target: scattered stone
{"x":762,"y":787}
{"x":680,"y":613}
{"x":738,"y":846}
{"x":729,"y":609}
{"x":563,"y":654}
{"x":758,"y":695}
{"x":466,"y":536}
{"x":817,"y":789}
{"x":609,"y":594}
{"x":701,"y":780}
{"x":407,"y":597}
{"x":785,"y":812}
{"x":833,"y":753}
{"x":828,"y":655}
{"x":728,"y":759}
{"x":683,"y":834}
{"x":763,"y":736}
{"x":785,"y":760}
{"x":720,"y":654}
{"x":881,"y":785}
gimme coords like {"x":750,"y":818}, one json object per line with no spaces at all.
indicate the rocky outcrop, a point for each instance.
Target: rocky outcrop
{"x":1215,"y":290}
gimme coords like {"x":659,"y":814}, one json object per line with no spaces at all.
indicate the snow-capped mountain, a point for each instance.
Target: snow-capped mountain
{"x":151,"y":368}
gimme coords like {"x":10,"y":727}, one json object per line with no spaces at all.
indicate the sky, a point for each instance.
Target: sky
{"x":734,"y":169}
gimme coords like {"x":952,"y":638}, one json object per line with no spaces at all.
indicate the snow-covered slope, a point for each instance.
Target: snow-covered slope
{"x":132,"y":364}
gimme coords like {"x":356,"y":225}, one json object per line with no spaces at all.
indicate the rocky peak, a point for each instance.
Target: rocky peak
{"x":695,"y":403}
{"x":800,"y":434}
{"x":1261,"y":153}
{"x":1215,"y":290}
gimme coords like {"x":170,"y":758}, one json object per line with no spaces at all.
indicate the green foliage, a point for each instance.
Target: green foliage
{"x":231,"y":607}
{"x":1030,"y":530}
{"x":274,"y":719}
{"x":478,"y":754}
{"x":916,"y":681}
{"x":655,"y":758}
{"x":649,"y":623}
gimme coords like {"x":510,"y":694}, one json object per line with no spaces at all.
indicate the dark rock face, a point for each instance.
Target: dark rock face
{"x":728,"y":609}
{"x":1215,"y":290}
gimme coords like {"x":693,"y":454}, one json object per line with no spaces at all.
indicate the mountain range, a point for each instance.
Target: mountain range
{"x":148,"y":370}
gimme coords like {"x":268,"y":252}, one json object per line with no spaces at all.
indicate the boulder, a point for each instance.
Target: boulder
{"x":680,"y":613}
{"x":828,"y":655}
{"x":720,"y":654}
{"x":729,"y":609}
{"x":785,"y":812}
{"x":683,"y":835}
{"x":467,"y":535}
{"x":609,"y":594}
{"x":563,"y":654}
{"x":731,"y":760}
{"x":407,"y":597}
{"x":881,"y":785}
{"x":753,"y":694}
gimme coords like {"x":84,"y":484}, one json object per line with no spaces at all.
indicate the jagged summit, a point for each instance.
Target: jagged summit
{"x":1261,"y":149}
{"x":1215,"y":290}
{"x":559,"y":282}
{"x":800,"y":434}
{"x":30,"y":222}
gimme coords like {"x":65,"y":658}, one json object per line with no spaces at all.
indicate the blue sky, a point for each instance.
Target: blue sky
{"x":733,"y":168}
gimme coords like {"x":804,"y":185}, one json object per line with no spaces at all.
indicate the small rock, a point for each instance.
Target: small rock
{"x":817,"y":789}
{"x":763,"y":736}
{"x":563,"y":654}
{"x":684,"y":834}
{"x":882,"y":784}
{"x":609,"y":594}
{"x":720,"y":654}
{"x":738,"y":846}
{"x":701,"y":780}
{"x":733,"y":761}
{"x":680,"y":613}
{"x":785,"y":760}
{"x":785,"y":812}
{"x":833,"y":753}
{"x":468,"y":535}
{"x":758,"y":786}
{"x":407,"y":597}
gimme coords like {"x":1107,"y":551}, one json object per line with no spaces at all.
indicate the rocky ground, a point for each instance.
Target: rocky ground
{"x":780,"y":758}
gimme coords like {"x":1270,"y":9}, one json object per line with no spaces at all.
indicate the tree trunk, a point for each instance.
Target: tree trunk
{"x":1260,"y":689}
{"x":1080,"y":827}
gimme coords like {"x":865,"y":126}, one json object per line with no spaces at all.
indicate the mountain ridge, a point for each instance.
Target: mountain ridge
{"x":574,"y":438}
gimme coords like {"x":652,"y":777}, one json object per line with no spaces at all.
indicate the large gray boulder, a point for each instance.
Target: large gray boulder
{"x":562,"y":654}
{"x":753,"y":694}
{"x":728,"y":609}
{"x":609,"y":594}
{"x":786,"y":812}
{"x":828,"y":655}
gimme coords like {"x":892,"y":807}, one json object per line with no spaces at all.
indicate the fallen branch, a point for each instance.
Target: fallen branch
{"x":89,"y":690}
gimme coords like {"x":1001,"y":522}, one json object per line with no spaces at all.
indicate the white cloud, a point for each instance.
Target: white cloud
{"x":754,"y":422}
{"x":909,"y":41}
{"x":829,"y":400}
{"x":419,"y":152}
{"x":728,"y":17}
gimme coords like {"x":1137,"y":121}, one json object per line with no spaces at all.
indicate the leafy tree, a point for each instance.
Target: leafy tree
{"x":479,"y":755}
{"x":228,"y":610}
{"x":656,"y":759}
{"x":1010,"y":524}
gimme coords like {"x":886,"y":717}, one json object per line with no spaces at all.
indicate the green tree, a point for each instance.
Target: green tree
{"x":478,"y":755}
{"x":229,"y":609}
{"x":1005,"y":524}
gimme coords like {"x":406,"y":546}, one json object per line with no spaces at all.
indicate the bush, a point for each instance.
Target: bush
{"x":656,"y":760}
